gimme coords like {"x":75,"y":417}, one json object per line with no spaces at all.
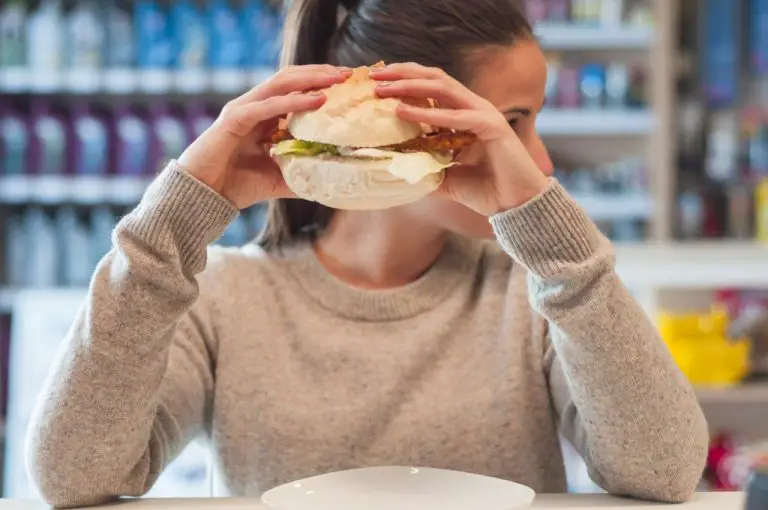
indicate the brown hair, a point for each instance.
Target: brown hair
{"x":434,"y":33}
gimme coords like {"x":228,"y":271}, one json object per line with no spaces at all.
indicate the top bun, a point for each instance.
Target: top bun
{"x":354,"y":116}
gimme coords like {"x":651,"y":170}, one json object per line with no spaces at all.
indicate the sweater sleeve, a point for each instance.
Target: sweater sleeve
{"x":132,"y":383}
{"x":619,"y":397}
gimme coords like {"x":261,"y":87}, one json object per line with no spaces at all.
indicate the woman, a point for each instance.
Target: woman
{"x":351,"y":339}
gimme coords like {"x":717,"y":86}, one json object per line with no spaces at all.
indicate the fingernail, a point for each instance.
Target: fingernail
{"x":343,"y":70}
{"x":316,"y":93}
{"x":384,"y":83}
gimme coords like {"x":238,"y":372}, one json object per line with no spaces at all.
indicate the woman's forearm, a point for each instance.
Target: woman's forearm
{"x":110,"y":415}
{"x":619,"y":395}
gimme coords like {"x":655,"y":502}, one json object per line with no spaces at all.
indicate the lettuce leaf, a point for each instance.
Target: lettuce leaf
{"x":304,"y":148}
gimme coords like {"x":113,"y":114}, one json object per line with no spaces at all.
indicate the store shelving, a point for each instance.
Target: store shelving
{"x":85,"y":190}
{"x":615,"y":206}
{"x":564,"y":36}
{"x":700,"y":265}
{"x":740,"y":410}
{"x":746,"y":394}
{"x":130,"y":81}
{"x":595,"y":122}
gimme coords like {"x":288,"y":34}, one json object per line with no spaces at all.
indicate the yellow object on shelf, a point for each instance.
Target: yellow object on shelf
{"x":761,"y":211}
{"x":700,"y":345}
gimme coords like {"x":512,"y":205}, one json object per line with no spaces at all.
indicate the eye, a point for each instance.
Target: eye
{"x":513,"y":121}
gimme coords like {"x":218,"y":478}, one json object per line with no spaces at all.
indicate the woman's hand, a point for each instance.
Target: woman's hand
{"x":232,"y":156}
{"x":509,"y":178}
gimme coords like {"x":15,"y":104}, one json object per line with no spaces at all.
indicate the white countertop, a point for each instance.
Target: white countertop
{"x":700,"y":501}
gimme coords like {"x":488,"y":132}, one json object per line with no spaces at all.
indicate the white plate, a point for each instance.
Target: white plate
{"x":399,"y":488}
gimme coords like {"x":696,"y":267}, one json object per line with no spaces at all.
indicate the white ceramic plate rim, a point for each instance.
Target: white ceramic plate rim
{"x":525,"y":500}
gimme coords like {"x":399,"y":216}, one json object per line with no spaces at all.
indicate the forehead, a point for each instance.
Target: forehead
{"x":512,"y":77}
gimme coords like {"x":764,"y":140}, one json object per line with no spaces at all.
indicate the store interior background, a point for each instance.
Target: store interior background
{"x":657,"y":120}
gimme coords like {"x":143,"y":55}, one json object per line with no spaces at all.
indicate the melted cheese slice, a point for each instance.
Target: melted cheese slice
{"x":411,"y":167}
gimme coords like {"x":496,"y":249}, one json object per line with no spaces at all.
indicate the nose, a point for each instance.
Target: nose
{"x":540,"y":156}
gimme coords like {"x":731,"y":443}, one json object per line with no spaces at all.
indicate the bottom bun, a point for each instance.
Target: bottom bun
{"x":352,"y":183}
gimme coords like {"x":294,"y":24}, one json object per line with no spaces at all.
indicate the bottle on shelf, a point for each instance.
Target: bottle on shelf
{"x":758,"y":37}
{"x":262,"y":28}
{"x":13,"y":37}
{"x":45,"y":44}
{"x":228,"y":48}
{"x":228,"y":45}
{"x":72,"y":248}
{"x":191,"y":41}
{"x":592,"y":85}
{"x":154,"y":46}
{"x":169,"y":135}
{"x":50,"y":138}
{"x":190,"y":36}
{"x":15,"y":249}
{"x":131,"y":141}
{"x":611,"y":13}
{"x":14,"y":141}
{"x":103,"y":222}
{"x":720,"y":60}
{"x":761,"y":211}
{"x":120,"y":42}
{"x":40,"y":263}
{"x":757,"y":488}
{"x":91,"y":135}
{"x":86,"y":36}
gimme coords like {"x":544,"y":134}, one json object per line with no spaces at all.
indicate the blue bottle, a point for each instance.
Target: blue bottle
{"x":153,"y":35}
{"x":190,"y":37}
{"x":592,"y":85}
{"x":228,"y":45}
{"x":720,"y":62}
{"x":262,"y":27}
{"x":758,"y":36}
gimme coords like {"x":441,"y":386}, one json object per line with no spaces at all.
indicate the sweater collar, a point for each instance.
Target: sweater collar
{"x":456,"y":261}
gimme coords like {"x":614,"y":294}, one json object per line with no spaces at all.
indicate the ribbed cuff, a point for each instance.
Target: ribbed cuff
{"x":548,"y":234}
{"x":179,"y":211}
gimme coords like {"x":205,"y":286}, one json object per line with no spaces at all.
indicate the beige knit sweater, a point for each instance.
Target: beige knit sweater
{"x":477,"y":366}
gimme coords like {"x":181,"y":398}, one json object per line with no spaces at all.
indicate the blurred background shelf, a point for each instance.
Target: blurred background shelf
{"x":742,"y":410}
{"x":567,"y":36}
{"x":616,"y":206}
{"x":695,"y":265}
{"x":130,"y":81}
{"x":750,"y":394}
{"x":70,"y":189}
{"x":597,"y":122}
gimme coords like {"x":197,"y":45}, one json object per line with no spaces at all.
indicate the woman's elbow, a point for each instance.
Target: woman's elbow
{"x":670,"y":475}
{"x":64,"y":481}
{"x":59,"y":485}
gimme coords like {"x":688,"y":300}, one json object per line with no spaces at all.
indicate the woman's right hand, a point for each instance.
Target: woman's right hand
{"x":232,"y":156}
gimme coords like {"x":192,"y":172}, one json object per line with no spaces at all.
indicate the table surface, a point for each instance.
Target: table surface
{"x":700,"y":501}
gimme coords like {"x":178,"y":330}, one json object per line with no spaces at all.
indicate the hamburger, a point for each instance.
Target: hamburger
{"x":355,"y":153}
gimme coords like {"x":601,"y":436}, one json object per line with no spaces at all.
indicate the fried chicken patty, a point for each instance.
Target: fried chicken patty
{"x":443,"y":141}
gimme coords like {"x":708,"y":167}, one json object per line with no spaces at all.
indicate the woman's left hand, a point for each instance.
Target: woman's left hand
{"x":509,"y":177}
